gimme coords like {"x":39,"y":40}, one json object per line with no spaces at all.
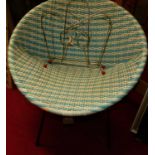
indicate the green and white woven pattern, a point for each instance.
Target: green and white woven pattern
{"x":73,"y":90}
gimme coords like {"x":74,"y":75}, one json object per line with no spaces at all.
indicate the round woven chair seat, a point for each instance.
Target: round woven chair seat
{"x":77,"y":57}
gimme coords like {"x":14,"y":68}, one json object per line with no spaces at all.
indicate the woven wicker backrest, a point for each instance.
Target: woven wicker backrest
{"x":82,"y":31}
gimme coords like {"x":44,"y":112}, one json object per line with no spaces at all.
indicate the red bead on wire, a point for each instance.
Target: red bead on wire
{"x":103,"y":73}
{"x":102,"y":68}
{"x":50,"y":61}
{"x":45,"y":65}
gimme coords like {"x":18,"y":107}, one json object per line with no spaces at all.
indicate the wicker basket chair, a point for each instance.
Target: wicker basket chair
{"x":77,"y":57}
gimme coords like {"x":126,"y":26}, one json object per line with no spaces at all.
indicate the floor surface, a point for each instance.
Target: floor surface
{"x":86,"y":137}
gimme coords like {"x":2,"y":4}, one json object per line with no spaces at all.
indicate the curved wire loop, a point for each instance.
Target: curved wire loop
{"x":68,"y":40}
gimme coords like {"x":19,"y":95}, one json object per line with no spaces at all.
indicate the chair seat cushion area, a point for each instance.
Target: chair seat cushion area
{"x":78,"y":37}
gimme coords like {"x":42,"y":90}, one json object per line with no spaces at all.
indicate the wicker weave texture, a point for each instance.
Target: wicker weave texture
{"x":71,"y":89}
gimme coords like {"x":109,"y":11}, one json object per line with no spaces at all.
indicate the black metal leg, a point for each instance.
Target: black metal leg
{"x":40,"y":129}
{"x":108,"y":129}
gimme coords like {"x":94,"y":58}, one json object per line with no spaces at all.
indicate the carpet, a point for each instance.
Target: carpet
{"x":85,"y":137}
